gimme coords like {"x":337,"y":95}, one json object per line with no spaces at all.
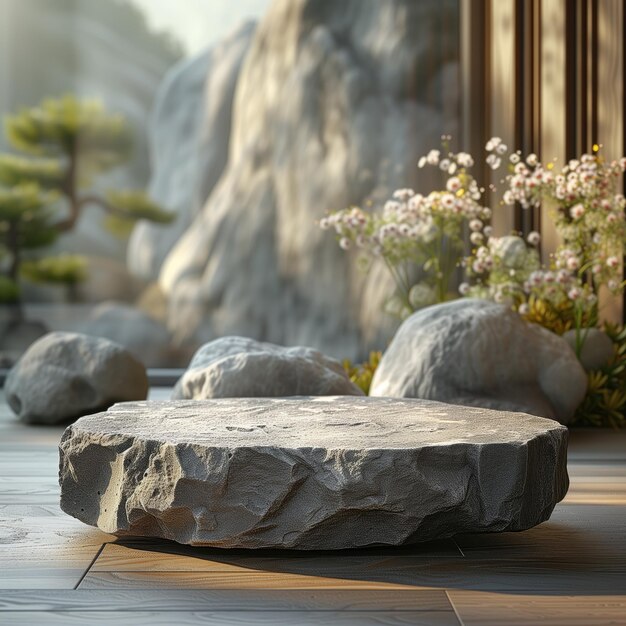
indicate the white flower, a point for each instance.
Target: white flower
{"x":476,"y":238}
{"x":532,"y":159}
{"x":612,"y":262}
{"x":432,"y":158}
{"x":444,"y":165}
{"x":573,"y":263}
{"x":478,"y":266}
{"x":533,"y":238}
{"x":514,"y":158}
{"x":476,"y":225}
{"x":508,"y":197}
{"x":493,"y":161}
{"x":344,"y":243}
{"x":492,"y":144}
{"x":596,"y":269}
{"x":452,"y":168}
{"x":447,"y":200}
{"x":523,"y":309}
{"x":453,"y":184}
{"x":577,"y":211}
{"x":612,"y":284}
{"x":324,"y":223}
{"x":465,"y":160}
{"x":488,"y":231}
{"x":421,"y":162}
{"x":563,"y":277}
{"x":501,"y":148}
{"x":464,"y":289}
{"x":574,"y":293}
{"x":403,"y":194}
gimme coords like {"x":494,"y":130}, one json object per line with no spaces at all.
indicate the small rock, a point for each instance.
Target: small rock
{"x":479,"y":353}
{"x":310,"y":473}
{"x":65,"y":375}
{"x":597,"y":348}
{"x":240,"y":367}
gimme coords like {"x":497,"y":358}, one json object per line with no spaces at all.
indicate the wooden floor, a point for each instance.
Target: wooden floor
{"x":55,"y":570}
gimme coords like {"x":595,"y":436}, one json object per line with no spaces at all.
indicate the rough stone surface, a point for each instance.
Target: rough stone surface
{"x":65,"y":375}
{"x":310,"y":473}
{"x":145,"y":337}
{"x":334,"y":104}
{"x":478,"y":353}
{"x":239,"y":367}
{"x":189,"y":143}
{"x":598,"y":349}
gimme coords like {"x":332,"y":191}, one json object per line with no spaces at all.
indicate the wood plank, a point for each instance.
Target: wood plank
{"x":228,"y":580}
{"x":120,"y":557}
{"x":611,"y":109}
{"x":501,"y":96}
{"x":552,"y":118}
{"x":239,"y":618}
{"x":174,"y":600}
{"x":495,"y":609}
{"x":589,"y":538}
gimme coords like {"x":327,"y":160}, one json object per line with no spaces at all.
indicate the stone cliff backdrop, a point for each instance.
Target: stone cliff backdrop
{"x":322,"y":105}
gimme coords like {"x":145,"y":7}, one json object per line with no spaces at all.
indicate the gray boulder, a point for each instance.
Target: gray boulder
{"x":479,"y":353}
{"x":189,"y":139}
{"x":597,"y":350}
{"x":130,"y":327}
{"x":332,"y":108}
{"x":240,"y":367}
{"x":65,"y":375}
{"x":310,"y":473}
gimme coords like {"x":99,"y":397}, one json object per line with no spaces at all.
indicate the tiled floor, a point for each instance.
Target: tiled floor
{"x":55,"y":570}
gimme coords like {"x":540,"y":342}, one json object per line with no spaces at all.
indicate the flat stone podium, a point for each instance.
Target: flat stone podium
{"x":310,"y":473}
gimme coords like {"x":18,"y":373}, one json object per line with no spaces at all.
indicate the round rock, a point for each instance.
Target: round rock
{"x":479,"y":353}
{"x":310,"y":473}
{"x":239,"y":367}
{"x":65,"y":375}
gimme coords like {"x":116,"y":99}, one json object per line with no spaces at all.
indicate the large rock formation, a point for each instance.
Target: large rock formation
{"x":310,"y":473}
{"x":479,"y":353}
{"x":233,"y":367}
{"x":334,"y":103}
{"x":65,"y":375}
{"x":189,"y":140}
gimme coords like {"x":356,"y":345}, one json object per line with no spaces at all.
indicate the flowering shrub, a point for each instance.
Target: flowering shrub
{"x":419,"y":232}
{"x":427,"y":232}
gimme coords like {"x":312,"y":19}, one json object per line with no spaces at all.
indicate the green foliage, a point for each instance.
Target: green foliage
{"x":605,"y":402}
{"x":69,"y":142}
{"x":66,"y":269}
{"x":68,"y":126}
{"x":362,"y":374}
{"x":15,"y":170}
{"x":25,"y":217}
{"x":137,"y":205}
{"x":9,"y":290}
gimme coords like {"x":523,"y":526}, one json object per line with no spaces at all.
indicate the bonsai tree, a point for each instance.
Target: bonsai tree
{"x":26,"y":224}
{"x":66,"y":144}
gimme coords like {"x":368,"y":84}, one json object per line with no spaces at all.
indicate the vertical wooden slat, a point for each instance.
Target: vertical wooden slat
{"x":610,"y":103}
{"x":474,"y":80}
{"x":553,"y":101}
{"x":501,"y":95}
